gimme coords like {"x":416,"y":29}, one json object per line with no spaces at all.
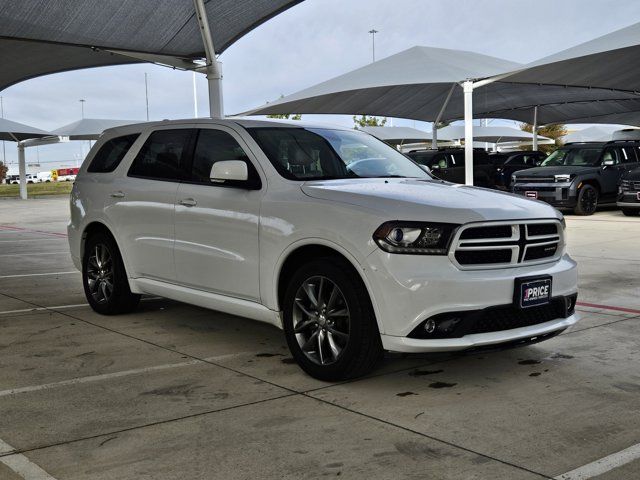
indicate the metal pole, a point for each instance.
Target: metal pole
{"x":213,"y":68}
{"x":146,"y":93}
{"x":535,"y":128}
{"x":373,"y":32}
{"x":434,"y":137}
{"x":467,"y":87}
{"x":82,"y":106}
{"x":195,"y":96}
{"x":4,"y":149}
{"x":22,"y":170}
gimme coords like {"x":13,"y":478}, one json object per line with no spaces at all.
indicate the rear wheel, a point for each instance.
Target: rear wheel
{"x":631,"y":212}
{"x":329,"y":323}
{"x":587,"y":201}
{"x":104,"y":277}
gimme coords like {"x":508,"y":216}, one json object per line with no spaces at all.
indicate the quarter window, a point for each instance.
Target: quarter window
{"x":111,"y":154}
{"x":161,"y":155}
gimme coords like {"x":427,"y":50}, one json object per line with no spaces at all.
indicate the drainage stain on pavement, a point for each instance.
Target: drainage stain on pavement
{"x":288,"y":360}
{"x":405,"y":394}
{"x":267,"y":355}
{"x":419,"y":373}
{"x":442,"y":385}
{"x":535,"y":374}
{"x":528,"y":362}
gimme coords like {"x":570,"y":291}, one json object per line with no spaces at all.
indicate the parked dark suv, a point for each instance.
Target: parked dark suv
{"x":448,"y":164}
{"x":629,"y":193}
{"x":579,"y":176}
{"x":507,"y":163}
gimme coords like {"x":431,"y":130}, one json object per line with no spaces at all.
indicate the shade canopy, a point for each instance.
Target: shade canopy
{"x":16,"y":132}
{"x":89,"y":128}
{"x":420,"y":83}
{"x":401,"y":134}
{"x":38,"y":37}
{"x":591,"y":134}
{"x":489,"y":134}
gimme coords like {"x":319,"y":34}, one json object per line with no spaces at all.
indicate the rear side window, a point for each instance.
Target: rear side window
{"x":111,"y":154}
{"x":160,"y":157}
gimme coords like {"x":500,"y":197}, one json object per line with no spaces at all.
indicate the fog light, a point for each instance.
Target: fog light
{"x":430,"y":326}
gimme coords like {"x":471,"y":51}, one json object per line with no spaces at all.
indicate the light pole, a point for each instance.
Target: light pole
{"x":82,"y":100}
{"x":146,"y":92}
{"x":373,"y":32}
{"x":4,"y":151}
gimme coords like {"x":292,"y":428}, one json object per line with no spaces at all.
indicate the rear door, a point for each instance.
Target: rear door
{"x":216,"y":225}
{"x":142,"y":203}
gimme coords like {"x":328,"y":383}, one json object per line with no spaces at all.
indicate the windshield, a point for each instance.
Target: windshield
{"x":320,"y":154}
{"x":572,"y":156}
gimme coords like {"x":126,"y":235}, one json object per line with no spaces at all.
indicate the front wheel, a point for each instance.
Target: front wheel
{"x":631,"y":212}
{"x":105,"y":281}
{"x":329,"y":322}
{"x":587,"y":201}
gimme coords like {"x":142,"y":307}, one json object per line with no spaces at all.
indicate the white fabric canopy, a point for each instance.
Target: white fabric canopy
{"x":16,"y":132}
{"x":89,"y":128}
{"x":591,"y":134}
{"x":490,"y":134}
{"x":401,"y":134}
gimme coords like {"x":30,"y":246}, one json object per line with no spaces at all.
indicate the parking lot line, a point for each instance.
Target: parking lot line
{"x":39,"y":309}
{"x":108,"y":376}
{"x":21,"y":465}
{"x":32,"y":254}
{"x":603,"y":465}
{"x":10,"y":228}
{"x":608,"y":307}
{"x":38,"y":274}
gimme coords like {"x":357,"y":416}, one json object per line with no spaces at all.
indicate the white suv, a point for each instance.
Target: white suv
{"x":328,"y":233}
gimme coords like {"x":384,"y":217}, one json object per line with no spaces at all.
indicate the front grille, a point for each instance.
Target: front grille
{"x":630,"y":186}
{"x":506,"y":318}
{"x":535,"y":179}
{"x":506,"y":244}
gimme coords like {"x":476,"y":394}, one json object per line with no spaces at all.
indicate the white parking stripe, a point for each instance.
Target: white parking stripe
{"x":108,"y":376}
{"x":38,"y":274}
{"x":32,"y":254}
{"x":22,"y":465}
{"x":603,"y":465}
{"x":40,"y":309}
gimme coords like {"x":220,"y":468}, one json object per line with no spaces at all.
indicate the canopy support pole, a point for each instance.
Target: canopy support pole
{"x":213,"y":67}
{"x":22,"y":170}
{"x":534,"y":130}
{"x":467,"y":88}
{"x":434,"y":129}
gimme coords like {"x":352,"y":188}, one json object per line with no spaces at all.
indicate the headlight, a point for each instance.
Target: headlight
{"x":414,"y":237}
{"x":563,"y":178}
{"x":564,"y":223}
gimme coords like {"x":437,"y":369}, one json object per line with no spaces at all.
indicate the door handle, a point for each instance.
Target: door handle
{"x":188,"y":202}
{"x":117,"y":194}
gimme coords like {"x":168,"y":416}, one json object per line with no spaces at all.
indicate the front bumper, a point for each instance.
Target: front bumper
{"x":560,"y":195}
{"x":628,"y":200}
{"x":407,"y":289}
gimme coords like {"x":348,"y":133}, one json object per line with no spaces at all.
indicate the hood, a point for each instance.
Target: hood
{"x":428,"y":200}
{"x":551,"y":171}
{"x":632,"y":175}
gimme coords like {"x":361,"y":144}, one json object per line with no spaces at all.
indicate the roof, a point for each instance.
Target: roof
{"x":13,"y":131}
{"x":89,"y":128}
{"x":490,"y":134}
{"x":46,"y":36}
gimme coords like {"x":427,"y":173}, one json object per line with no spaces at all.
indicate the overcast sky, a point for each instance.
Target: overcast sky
{"x":310,"y":43}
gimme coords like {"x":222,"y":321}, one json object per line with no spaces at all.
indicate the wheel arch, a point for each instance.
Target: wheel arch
{"x":303,"y":251}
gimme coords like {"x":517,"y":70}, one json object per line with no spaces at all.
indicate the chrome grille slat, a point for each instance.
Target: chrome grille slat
{"x":545,"y":245}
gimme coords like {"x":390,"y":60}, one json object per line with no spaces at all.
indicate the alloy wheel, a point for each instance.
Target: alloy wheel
{"x":321,"y":320}
{"x":589,"y":200}
{"x":100,"y":273}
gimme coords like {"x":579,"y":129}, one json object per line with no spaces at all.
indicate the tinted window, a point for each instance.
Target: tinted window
{"x":111,"y":153}
{"x":214,"y":146}
{"x":160,"y":156}
{"x":573,"y":156}
{"x":629,"y":154}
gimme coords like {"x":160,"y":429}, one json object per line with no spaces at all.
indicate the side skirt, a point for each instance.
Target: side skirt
{"x":212,"y":301}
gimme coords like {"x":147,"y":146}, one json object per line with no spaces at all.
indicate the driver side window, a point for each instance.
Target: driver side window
{"x":610,"y":155}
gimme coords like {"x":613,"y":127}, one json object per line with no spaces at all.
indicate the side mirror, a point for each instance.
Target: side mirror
{"x":229,"y":170}
{"x":608,"y":163}
{"x":425,"y":168}
{"x":435,"y":166}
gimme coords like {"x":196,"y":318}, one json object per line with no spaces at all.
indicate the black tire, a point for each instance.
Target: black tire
{"x":120,"y":300}
{"x":631,"y":212}
{"x":587,"y":201}
{"x":363,"y":348}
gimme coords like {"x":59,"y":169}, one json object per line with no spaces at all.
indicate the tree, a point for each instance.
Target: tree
{"x":285,"y":116}
{"x":3,"y":171}
{"x":368,"y":121}
{"x":554,"y":131}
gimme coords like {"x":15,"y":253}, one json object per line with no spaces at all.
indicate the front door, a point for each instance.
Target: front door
{"x":216,"y":225}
